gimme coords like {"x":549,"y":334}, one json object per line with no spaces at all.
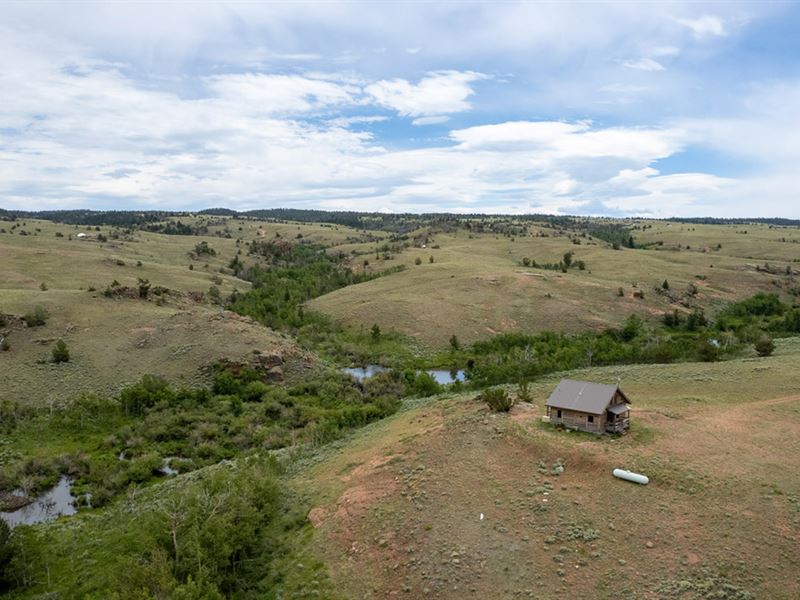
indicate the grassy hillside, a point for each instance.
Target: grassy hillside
{"x":115,"y":340}
{"x":477,"y":284}
{"x":446,"y":500}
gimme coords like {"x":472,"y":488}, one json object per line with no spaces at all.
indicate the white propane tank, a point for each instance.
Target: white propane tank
{"x":631,"y":476}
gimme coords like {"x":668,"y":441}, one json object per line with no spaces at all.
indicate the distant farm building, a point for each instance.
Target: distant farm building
{"x":81,"y":236}
{"x":592,"y":407}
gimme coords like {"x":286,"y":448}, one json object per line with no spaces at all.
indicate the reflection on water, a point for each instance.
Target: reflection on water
{"x":53,"y":503}
{"x":365,"y":372}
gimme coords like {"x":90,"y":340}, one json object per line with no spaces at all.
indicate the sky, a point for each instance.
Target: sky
{"x":619,"y":109}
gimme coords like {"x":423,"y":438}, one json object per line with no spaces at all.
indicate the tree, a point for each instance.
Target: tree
{"x":696,"y":320}
{"x":60,"y":352}
{"x":526,"y":262}
{"x":632,"y":328}
{"x":568,"y":259}
{"x":665,"y":285}
{"x":144,"y":288}
{"x":454,"y":343}
{"x":376,"y":333}
{"x":764,"y":345}
{"x":430,"y":260}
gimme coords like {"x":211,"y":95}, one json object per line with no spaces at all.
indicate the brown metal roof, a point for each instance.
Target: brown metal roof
{"x":583,"y":396}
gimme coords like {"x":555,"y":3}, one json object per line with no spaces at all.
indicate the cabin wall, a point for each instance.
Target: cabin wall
{"x":577,"y":420}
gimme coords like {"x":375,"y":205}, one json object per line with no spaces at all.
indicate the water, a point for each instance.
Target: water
{"x":442,"y":376}
{"x":364,"y":373}
{"x":166,"y":469}
{"x":53,"y":503}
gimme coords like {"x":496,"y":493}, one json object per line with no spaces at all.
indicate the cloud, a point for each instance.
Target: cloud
{"x":643,"y":64}
{"x":438,"y":93}
{"x":254,"y":105}
{"x":706,"y":25}
{"x":269,"y":93}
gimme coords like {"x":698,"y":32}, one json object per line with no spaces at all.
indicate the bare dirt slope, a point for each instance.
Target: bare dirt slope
{"x":446,"y":500}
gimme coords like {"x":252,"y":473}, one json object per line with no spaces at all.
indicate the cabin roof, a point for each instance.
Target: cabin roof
{"x":619,"y":409}
{"x":583,"y":396}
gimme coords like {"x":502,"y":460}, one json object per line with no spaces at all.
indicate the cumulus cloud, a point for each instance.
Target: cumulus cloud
{"x":438,"y":93}
{"x":107,"y":108}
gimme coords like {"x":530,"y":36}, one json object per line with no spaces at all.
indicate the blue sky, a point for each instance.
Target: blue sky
{"x":653,"y":109}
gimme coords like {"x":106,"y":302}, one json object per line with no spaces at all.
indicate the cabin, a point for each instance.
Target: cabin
{"x":586,"y":406}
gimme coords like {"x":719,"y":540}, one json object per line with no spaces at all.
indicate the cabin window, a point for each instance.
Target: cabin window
{"x":559,"y":413}
{"x":591,"y":418}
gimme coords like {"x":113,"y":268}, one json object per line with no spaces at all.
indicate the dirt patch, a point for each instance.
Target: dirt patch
{"x":525,"y":412}
{"x":317,"y":516}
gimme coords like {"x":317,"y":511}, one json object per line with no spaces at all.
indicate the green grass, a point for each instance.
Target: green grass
{"x":477,"y":285}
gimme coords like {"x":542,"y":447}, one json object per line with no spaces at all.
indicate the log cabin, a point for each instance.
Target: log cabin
{"x":593,"y":407}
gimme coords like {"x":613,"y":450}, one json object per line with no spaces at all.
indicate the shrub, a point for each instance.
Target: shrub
{"x":43,"y":286}
{"x":204,"y":248}
{"x":253,"y":391}
{"x":60,"y":352}
{"x":144,"y":288}
{"x":36,"y":318}
{"x":632,"y":328}
{"x":5,"y":346}
{"x":708,"y":350}
{"x":665,"y":285}
{"x":454,"y":343}
{"x":418,"y":261}
{"x":498,"y":399}
{"x":524,"y":391}
{"x":526,"y":262}
{"x":764,"y":345}
{"x":620,"y":292}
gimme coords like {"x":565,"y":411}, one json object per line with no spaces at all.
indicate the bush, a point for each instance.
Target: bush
{"x":5,"y":346}
{"x":454,"y":343}
{"x":418,"y":261}
{"x":60,"y":352}
{"x":764,"y":345}
{"x":36,"y":318}
{"x":498,"y":399}
{"x":708,"y":350}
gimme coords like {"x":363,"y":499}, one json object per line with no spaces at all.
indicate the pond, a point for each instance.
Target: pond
{"x":442,"y":376}
{"x":53,"y":503}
